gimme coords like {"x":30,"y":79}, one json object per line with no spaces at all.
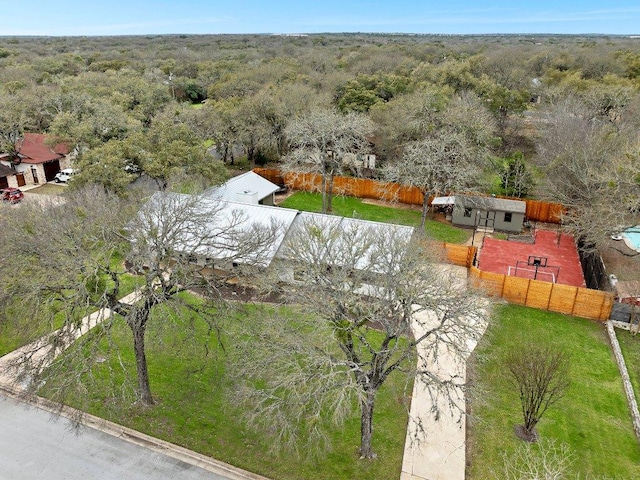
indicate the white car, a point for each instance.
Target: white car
{"x":64,"y":175}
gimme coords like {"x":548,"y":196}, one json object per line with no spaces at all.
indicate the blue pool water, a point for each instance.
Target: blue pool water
{"x":632,"y":237}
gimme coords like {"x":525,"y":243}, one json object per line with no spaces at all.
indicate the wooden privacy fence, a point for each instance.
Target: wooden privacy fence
{"x":461,"y":255}
{"x":578,"y":301}
{"x":536,"y":210}
{"x":355,"y":187}
{"x":539,"y":211}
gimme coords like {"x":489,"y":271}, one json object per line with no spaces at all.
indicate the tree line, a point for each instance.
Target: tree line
{"x":513,"y":104}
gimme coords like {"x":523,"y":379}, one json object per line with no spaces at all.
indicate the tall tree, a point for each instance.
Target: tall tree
{"x":440,"y":164}
{"x":371,"y":307}
{"x":541,"y":376}
{"x":68,"y":261}
{"x":319,"y":142}
{"x":407,"y":118}
{"x":450,"y":155}
{"x":515,"y":176}
{"x":11,"y":136}
{"x":592,"y":169}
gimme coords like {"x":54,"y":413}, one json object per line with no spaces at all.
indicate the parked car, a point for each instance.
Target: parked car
{"x":12,"y":195}
{"x":64,"y":175}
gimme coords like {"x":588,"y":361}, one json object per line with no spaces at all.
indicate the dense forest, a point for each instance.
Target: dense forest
{"x":556,"y":117}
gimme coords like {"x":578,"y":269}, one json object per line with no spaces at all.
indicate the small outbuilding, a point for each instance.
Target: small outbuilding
{"x":489,"y":213}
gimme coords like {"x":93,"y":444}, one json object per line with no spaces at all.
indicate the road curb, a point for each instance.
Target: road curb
{"x":133,"y":436}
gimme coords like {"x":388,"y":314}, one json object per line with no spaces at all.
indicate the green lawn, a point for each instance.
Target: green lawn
{"x":19,"y":331}
{"x":196,"y":411}
{"x":355,"y":207}
{"x":592,"y":419}
{"x":630,"y":346}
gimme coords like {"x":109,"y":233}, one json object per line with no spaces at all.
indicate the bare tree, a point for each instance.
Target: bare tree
{"x":541,"y":376}
{"x":450,"y":155}
{"x":545,"y":461}
{"x":439,"y":164}
{"x":67,"y":261}
{"x":320,"y":140}
{"x":371,"y":307}
{"x":591,"y":168}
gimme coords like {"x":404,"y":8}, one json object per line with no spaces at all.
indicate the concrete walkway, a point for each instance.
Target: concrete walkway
{"x":435,"y":446}
{"x":40,"y":352}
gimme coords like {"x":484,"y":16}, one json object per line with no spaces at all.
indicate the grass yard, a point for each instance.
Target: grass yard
{"x":592,"y":419}
{"x":19,"y":331}
{"x":630,"y":346}
{"x":196,"y":411}
{"x":48,"y":189}
{"x":355,"y":207}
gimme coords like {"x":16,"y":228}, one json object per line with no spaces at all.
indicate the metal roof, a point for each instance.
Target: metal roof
{"x":335,"y":229}
{"x":493,"y":203}
{"x":230,"y":224}
{"x":246,"y":188}
{"x":443,"y":201}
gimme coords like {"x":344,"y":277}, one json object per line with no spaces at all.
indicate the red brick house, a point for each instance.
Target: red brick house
{"x":37,"y":164}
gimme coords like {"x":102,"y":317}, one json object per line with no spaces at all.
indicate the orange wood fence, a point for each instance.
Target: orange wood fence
{"x":578,"y":301}
{"x":581,"y":302}
{"x":537,"y":210}
{"x":461,"y":255}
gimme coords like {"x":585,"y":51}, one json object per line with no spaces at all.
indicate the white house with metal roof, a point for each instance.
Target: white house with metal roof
{"x":325,"y":237}
{"x":220,"y":234}
{"x":248,"y":188}
{"x":215,"y":232}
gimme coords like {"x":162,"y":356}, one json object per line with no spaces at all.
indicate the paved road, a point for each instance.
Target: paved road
{"x":35,"y":446}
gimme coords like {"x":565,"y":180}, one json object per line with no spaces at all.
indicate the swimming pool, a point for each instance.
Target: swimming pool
{"x":631,"y":237}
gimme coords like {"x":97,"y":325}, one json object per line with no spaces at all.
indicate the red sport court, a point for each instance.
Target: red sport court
{"x":527,"y":260}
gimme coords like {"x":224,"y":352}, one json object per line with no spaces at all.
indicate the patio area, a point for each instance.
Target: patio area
{"x":557,"y":251}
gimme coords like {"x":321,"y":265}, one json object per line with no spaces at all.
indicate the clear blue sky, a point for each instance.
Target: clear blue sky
{"x":137,"y":17}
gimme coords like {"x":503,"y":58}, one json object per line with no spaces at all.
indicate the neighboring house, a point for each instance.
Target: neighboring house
{"x":7,"y":173}
{"x":246,"y":188}
{"x":489,"y":213}
{"x":37,"y":164}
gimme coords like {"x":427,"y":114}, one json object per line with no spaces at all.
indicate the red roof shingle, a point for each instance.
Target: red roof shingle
{"x":34,"y":150}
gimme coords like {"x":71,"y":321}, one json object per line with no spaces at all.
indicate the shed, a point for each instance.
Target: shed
{"x":248,"y":188}
{"x":490,"y":213}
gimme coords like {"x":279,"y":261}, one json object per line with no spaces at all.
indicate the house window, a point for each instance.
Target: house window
{"x":467,"y":211}
{"x":507,"y":217}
